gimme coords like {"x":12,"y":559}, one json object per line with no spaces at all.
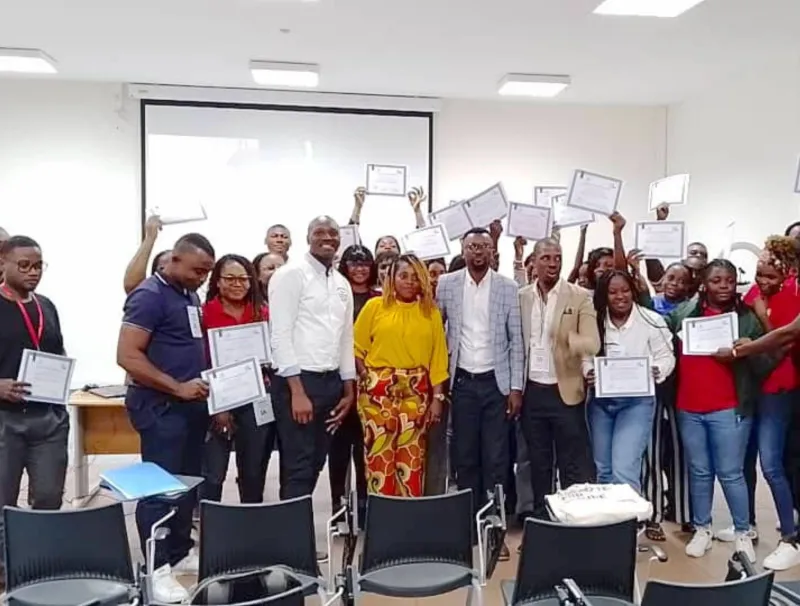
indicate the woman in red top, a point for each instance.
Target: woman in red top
{"x":234,"y":298}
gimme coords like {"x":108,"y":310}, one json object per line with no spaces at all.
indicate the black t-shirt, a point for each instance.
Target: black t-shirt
{"x":14,"y":336}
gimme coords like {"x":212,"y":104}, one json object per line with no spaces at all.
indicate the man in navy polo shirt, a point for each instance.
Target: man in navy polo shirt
{"x":161,"y":347}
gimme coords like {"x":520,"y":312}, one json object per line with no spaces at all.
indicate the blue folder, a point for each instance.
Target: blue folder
{"x":140,"y":481}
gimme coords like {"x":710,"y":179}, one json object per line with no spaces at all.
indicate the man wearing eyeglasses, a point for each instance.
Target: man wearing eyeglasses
{"x":33,"y":435}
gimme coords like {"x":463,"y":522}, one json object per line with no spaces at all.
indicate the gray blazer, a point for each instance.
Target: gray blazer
{"x":509,"y":354}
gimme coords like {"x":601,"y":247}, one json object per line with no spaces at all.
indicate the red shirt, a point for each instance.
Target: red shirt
{"x":783,"y":307}
{"x":705,"y":385}
{"x":215,"y":316}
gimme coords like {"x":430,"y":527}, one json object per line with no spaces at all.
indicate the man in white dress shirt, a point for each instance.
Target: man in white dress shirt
{"x":311,"y":320}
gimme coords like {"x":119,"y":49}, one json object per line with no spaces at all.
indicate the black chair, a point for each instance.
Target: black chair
{"x":750,"y":591}
{"x":418,"y":548}
{"x":68,"y":557}
{"x":785,"y":593}
{"x":240,"y":538}
{"x":601,"y":560}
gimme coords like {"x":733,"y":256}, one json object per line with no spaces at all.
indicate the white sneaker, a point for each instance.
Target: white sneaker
{"x":166,"y":588}
{"x":785,"y":556}
{"x":744,"y":544}
{"x":700,"y":543}
{"x":188,"y":565}
{"x":728,"y":535}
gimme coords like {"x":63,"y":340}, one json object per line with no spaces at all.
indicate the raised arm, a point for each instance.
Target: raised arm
{"x":576,"y":267}
{"x":358,"y":203}
{"x":620,"y":258}
{"x":136,"y":272}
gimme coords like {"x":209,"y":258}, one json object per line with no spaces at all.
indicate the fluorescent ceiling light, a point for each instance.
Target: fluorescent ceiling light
{"x":293,"y":75}
{"x":26,"y":61}
{"x":526,"y":85}
{"x":646,"y":8}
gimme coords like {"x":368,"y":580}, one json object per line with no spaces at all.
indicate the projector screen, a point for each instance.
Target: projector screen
{"x":248,"y":167}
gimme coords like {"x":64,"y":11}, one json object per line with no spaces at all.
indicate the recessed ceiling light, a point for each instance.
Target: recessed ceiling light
{"x":293,"y":75}
{"x":26,"y":61}
{"x":526,"y":85}
{"x":646,"y":8}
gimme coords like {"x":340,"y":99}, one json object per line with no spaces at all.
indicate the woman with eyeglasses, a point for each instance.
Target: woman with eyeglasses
{"x":234,"y":298}
{"x":401,"y":357}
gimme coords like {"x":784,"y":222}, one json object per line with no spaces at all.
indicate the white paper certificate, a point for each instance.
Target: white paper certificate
{"x":236,"y":343}
{"x":487,"y":206}
{"x":595,"y":193}
{"x":705,"y":336}
{"x":526,"y":221}
{"x":386,"y":180}
{"x":197,"y":213}
{"x":427,"y":243}
{"x":543,"y":195}
{"x":49,"y":376}
{"x":566,"y":216}
{"x":669,"y":190}
{"x":661,"y":239}
{"x":454,"y":218}
{"x":348,"y":236}
{"x":623,"y":377}
{"x":234,"y":385}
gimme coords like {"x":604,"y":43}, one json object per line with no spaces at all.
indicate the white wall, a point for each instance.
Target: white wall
{"x":740,"y":141}
{"x":69,"y":170}
{"x":524,"y":145}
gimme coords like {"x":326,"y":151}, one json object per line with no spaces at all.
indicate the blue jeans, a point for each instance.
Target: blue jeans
{"x":620,"y":429}
{"x":772,"y":424}
{"x":715,"y":444}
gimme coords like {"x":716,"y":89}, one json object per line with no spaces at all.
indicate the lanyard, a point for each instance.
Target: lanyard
{"x":36,"y":336}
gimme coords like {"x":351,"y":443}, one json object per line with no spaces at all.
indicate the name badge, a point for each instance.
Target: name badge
{"x":615,"y":350}
{"x":540,"y":360}
{"x":194,"y":321}
{"x":263,"y":411}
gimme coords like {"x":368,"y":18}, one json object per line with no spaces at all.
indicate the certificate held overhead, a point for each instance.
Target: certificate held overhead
{"x":489,"y":205}
{"x":386,"y":180}
{"x":530,"y":222}
{"x":427,"y":243}
{"x":595,"y":193}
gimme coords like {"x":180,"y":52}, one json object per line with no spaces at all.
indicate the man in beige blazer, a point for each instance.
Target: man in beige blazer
{"x":559,"y":328}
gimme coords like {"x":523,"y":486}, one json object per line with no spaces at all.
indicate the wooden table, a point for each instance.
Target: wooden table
{"x":102,"y":427}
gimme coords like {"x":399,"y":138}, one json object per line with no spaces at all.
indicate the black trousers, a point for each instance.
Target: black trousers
{"x":549,"y":426}
{"x":304,"y":448}
{"x":480,"y":434}
{"x":253,"y":446}
{"x":347,"y":444}
{"x":173,"y":440}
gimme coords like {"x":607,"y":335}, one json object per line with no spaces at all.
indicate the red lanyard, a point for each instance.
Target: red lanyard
{"x":36,"y":336}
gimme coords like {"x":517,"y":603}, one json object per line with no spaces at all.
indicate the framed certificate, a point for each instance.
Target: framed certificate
{"x":704,"y":336}
{"x":543,"y":194}
{"x":623,"y":377}
{"x":566,"y":216}
{"x":489,"y":205}
{"x":454,"y":218}
{"x":348,"y":236}
{"x":526,"y":221}
{"x":669,"y":190}
{"x":428,"y":243}
{"x":236,"y":343}
{"x":234,"y":385}
{"x":661,"y":239}
{"x":386,"y":180}
{"x":49,"y":376}
{"x":595,"y":193}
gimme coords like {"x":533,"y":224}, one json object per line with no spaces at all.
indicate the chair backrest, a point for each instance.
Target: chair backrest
{"x":242,"y":537}
{"x":426,"y":529}
{"x":90,"y":543}
{"x":600,"y":559}
{"x":751,"y":591}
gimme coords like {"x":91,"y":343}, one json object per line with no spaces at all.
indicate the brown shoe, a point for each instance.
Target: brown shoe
{"x":505,"y":554}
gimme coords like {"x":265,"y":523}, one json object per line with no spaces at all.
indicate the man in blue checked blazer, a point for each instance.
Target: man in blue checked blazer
{"x":487,"y":359}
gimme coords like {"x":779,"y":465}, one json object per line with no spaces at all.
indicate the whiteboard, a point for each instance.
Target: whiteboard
{"x":252,"y":167}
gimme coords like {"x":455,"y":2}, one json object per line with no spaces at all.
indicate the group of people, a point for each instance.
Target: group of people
{"x":425,"y":374}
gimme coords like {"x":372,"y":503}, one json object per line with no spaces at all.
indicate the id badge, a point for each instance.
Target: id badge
{"x":194,"y":321}
{"x":540,"y":360}
{"x":615,"y":350}
{"x":263,"y":411}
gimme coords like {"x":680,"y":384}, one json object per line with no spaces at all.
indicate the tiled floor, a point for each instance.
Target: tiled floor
{"x":711,"y":568}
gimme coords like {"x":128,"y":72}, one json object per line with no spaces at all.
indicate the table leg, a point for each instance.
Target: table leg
{"x":80,"y":462}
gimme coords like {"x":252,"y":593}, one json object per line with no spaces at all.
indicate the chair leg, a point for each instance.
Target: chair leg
{"x":475,"y":593}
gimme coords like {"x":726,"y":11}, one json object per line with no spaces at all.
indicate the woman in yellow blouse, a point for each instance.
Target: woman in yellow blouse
{"x":401,"y":356}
